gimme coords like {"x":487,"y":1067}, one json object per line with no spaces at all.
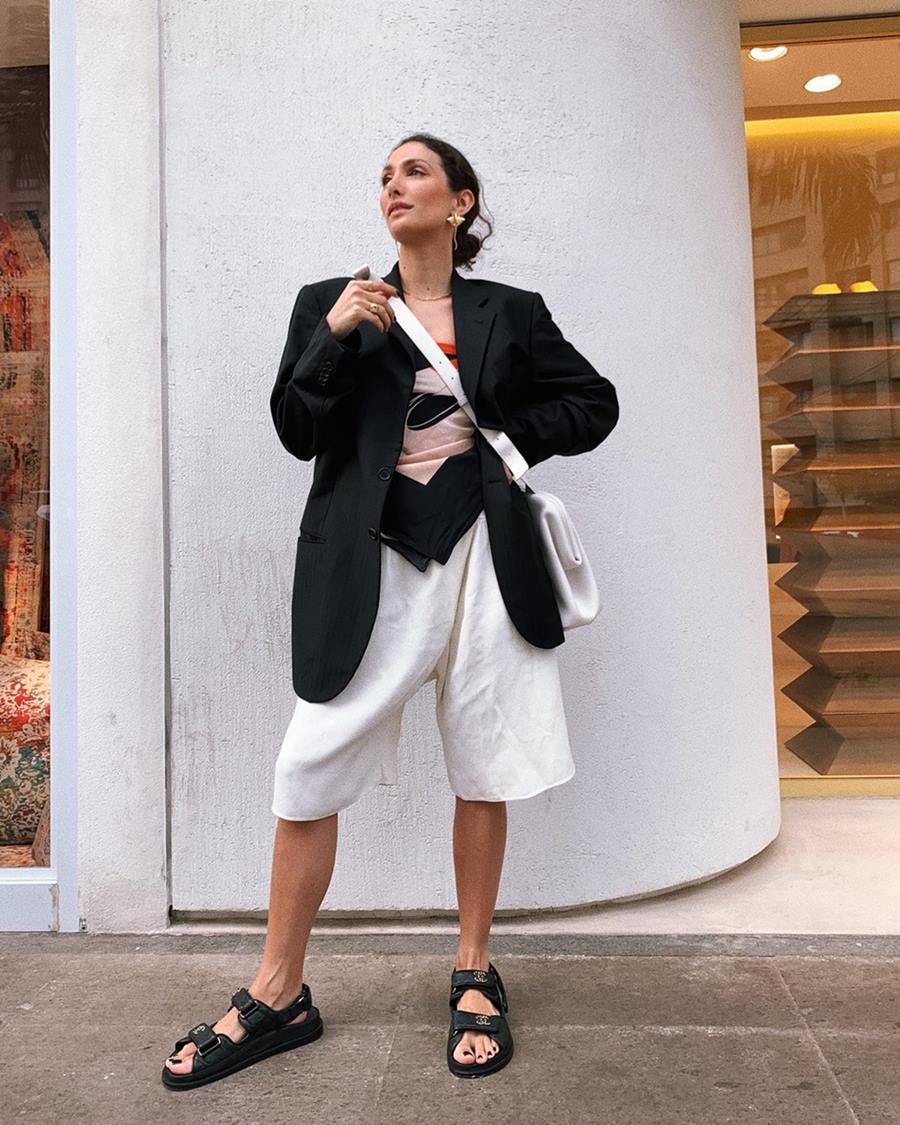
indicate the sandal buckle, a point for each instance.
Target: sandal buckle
{"x":207,"y":1041}
{"x":250,"y":1008}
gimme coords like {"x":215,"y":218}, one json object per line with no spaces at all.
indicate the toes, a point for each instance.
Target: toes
{"x":482,"y":1048}
{"x":475,"y":1048}
{"x":465,"y":1052}
{"x":182,"y":1065}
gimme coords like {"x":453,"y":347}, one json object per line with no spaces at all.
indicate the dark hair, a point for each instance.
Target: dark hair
{"x":460,"y":175}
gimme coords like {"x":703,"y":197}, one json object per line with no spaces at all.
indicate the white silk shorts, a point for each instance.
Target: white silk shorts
{"x":499,"y":704}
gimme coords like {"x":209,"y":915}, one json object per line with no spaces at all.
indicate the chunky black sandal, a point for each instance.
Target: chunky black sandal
{"x":496,"y":1026}
{"x":269,"y":1030}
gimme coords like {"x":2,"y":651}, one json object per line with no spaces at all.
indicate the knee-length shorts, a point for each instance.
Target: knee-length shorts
{"x":499,"y":704}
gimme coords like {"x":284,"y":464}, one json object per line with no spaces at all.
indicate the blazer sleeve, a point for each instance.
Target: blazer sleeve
{"x":572,"y":408}
{"x":316,"y":373}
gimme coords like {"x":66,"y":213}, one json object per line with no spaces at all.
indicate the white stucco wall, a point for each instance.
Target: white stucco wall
{"x":611,"y":149}
{"x":616,"y":178}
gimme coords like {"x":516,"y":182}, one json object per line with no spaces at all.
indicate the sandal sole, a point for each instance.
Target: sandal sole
{"x":271,"y":1043}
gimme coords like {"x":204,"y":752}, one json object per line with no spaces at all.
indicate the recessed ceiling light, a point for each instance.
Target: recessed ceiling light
{"x":767,"y":54}
{"x":822,"y":83}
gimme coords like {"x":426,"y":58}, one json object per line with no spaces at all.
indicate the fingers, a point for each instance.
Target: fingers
{"x":376,"y":292}
{"x":366,"y":300}
{"x":382,"y":316}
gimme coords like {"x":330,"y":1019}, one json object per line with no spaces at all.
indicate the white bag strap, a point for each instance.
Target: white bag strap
{"x":429,"y":347}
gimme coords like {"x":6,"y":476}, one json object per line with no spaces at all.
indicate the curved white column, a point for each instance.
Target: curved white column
{"x":612,"y":154}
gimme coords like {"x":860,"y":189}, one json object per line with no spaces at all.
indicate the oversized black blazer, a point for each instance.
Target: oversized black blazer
{"x":343,"y":403}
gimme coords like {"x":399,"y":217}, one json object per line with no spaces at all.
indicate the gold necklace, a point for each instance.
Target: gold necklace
{"x":407,"y":293}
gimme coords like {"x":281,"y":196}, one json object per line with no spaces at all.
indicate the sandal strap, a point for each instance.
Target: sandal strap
{"x":486,"y":981}
{"x":211,"y":1045}
{"x":475,"y":1021}
{"x":255,"y":1015}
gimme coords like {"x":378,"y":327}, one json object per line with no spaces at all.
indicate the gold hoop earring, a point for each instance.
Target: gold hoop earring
{"x":455,"y":220}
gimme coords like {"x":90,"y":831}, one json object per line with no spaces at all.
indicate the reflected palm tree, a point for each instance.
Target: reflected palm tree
{"x":840,"y":187}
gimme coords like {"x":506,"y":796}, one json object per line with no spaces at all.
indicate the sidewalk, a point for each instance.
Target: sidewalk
{"x":644,"y":1030}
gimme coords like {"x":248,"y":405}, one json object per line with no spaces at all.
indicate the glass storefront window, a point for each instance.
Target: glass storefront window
{"x":824,"y":180}
{"x":25,"y":437}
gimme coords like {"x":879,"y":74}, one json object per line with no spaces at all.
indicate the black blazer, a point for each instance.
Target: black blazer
{"x":344,"y":403}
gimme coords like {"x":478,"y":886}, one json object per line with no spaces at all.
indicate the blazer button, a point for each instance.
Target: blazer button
{"x":385,"y":473}
{"x":373,"y":534}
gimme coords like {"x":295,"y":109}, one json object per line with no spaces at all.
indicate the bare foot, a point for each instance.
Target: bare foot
{"x":181,"y":1063}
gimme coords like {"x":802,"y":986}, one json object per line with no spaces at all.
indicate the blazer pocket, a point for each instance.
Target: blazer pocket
{"x":309,"y":537}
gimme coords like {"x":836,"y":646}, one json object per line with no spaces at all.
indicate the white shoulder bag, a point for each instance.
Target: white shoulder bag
{"x":570,"y":571}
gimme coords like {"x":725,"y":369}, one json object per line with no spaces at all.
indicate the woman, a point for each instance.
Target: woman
{"x":416,"y":560}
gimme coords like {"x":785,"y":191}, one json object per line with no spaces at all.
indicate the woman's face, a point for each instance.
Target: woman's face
{"x":413,"y":177}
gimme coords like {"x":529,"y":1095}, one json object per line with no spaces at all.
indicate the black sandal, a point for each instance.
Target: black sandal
{"x":496,"y":1026}
{"x":269,"y":1030}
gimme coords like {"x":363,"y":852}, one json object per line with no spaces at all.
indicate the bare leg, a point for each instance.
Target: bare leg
{"x":479,"y":843}
{"x":302,"y":865}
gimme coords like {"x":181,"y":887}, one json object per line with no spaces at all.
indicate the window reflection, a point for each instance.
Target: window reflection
{"x":825,"y":203}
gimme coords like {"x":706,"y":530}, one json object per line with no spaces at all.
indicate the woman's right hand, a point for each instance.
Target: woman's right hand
{"x":352,"y":307}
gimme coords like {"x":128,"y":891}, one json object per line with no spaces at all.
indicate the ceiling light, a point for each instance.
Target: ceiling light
{"x":822,"y":83}
{"x":767,"y":54}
